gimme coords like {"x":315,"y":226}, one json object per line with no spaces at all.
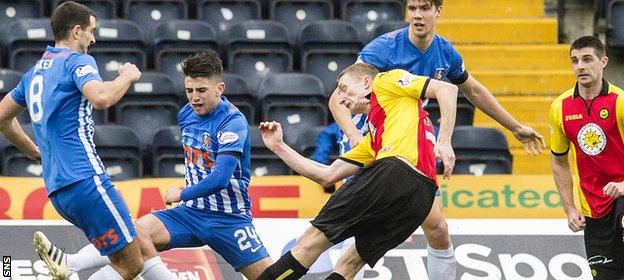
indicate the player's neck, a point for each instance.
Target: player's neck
{"x":422,"y":43}
{"x":591,"y":91}
{"x":65,"y":45}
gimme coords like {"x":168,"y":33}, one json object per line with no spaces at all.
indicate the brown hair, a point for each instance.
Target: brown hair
{"x":436,"y":3}
{"x":68,"y":15}
{"x":589,"y":42}
{"x":206,"y":64}
{"x":359,"y":70}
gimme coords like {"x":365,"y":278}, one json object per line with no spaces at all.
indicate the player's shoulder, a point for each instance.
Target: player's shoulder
{"x":444,"y":44}
{"x":185,"y":112}
{"x":233,"y":114}
{"x":391,"y":38}
{"x":559,"y":100}
{"x":615,"y":89}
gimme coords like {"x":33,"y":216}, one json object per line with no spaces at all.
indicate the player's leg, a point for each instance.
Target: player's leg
{"x":441,"y":263}
{"x":604,"y":245}
{"x":346,"y":246}
{"x":348,"y":266}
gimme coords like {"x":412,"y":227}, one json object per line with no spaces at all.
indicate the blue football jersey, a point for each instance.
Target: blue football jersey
{"x":61,"y":115}
{"x":225,"y":129}
{"x":394,"y":50}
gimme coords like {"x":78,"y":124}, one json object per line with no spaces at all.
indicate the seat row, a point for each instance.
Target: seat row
{"x":223,"y":13}
{"x":252,"y":49}
{"x":478,"y":151}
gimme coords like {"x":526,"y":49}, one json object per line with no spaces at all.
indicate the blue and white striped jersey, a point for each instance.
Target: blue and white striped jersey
{"x":225,"y":129}
{"x":61,"y":115}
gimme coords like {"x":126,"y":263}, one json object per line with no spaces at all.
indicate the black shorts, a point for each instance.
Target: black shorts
{"x":604,"y":244}
{"x":382,"y":206}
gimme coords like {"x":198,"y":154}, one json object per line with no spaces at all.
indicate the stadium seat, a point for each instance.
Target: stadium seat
{"x":222,"y":14}
{"x":306,"y":142}
{"x":104,"y":9}
{"x":385,"y":27}
{"x":8,"y":80}
{"x":263,"y":161}
{"x":297,"y":101}
{"x":615,"y":22}
{"x":175,"y":40}
{"x":118,"y":41}
{"x":328,"y":47}
{"x":237,"y":92}
{"x":11,"y":10}
{"x":367,"y":14}
{"x":166,"y":153}
{"x":150,"y":13}
{"x":257,"y":48}
{"x":26,"y":42}
{"x":296,"y":13}
{"x":464,"y":116}
{"x":480,"y":150}
{"x":149,"y":104}
{"x":16,"y":163}
{"x":119,"y":149}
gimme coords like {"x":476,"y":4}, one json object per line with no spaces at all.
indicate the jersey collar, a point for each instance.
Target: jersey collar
{"x":603,"y":91}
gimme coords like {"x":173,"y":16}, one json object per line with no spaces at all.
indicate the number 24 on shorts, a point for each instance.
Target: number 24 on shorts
{"x":244,"y":236}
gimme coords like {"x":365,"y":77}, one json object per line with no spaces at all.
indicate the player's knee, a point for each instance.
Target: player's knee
{"x":437,"y":234}
{"x":311,"y":240}
{"x":145,"y":242}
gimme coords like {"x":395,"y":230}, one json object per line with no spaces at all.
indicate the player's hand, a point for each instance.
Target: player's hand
{"x":354,"y":139}
{"x":532,"y":141}
{"x":272,"y":134}
{"x":35,"y":155}
{"x":444,"y":152}
{"x":614,"y":189}
{"x":576,"y":220}
{"x":130,"y":70}
{"x":172,"y":195}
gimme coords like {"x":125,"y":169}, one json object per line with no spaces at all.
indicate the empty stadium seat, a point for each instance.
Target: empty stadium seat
{"x":11,"y":10}
{"x":480,"y":150}
{"x":175,"y":40}
{"x":385,"y":27}
{"x":263,"y":161}
{"x":15,"y":162}
{"x":257,"y":48}
{"x":118,"y":41}
{"x":237,"y":92}
{"x":464,"y":116}
{"x":222,"y":14}
{"x":150,"y":13}
{"x":328,"y":47}
{"x":296,"y":13}
{"x":306,"y":142}
{"x":367,"y":14}
{"x":297,"y":101}
{"x":166,"y":153}
{"x":615,"y":22}
{"x":104,"y":9}
{"x":26,"y":42}
{"x":8,"y":80}
{"x":149,"y":104}
{"x":119,"y":149}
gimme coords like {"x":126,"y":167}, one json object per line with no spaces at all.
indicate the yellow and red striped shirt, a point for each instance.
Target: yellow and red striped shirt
{"x":398,"y":126}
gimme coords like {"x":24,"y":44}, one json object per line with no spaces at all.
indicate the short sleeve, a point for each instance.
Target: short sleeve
{"x":362,"y":154}
{"x":374,"y":53}
{"x":457,"y":73}
{"x":83,"y":69}
{"x":400,"y":83}
{"x":19,"y":94}
{"x":232,"y":134}
{"x":559,"y":143}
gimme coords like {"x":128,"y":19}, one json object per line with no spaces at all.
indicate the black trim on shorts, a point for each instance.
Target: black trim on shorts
{"x":231,"y":153}
{"x":560,"y":154}
{"x":351,"y":161}
{"x":424,"y":90}
{"x":461,"y":79}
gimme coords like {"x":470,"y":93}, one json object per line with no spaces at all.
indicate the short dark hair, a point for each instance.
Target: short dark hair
{"x":206,"y":64}
{"x":436,"y":3}
{"x":68,"y":15}
{"x":589,"y":42}
{"x":359,"y":70}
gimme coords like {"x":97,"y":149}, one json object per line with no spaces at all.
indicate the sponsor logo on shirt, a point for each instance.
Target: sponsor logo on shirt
{"x":84,"y":70}
{"x":405,"y":80}
{"x":591,"y":139}
{"x":604,"y":113}
{"x":573,"y":117}
{"x":227,"y":137}
{"x":439,"y":74}
{"x":206,"y":140}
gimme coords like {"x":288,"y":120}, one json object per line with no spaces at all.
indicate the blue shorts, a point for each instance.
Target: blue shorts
{"x":232,"y":236}
{"x":94,"y":206}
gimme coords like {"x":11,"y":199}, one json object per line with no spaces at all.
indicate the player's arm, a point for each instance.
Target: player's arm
{"x":325,"y":175}
{"x":560,"y":145}
{"x":483,"y":99}
{"x":9,"y":126}
{"x":342,"y":116}
{"x":106,"y":94}
{"x":446,"y":95}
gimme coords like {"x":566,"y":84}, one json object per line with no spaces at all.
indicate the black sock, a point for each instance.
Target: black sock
{"x":286,"y":267}
{"x":335,"y":276}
